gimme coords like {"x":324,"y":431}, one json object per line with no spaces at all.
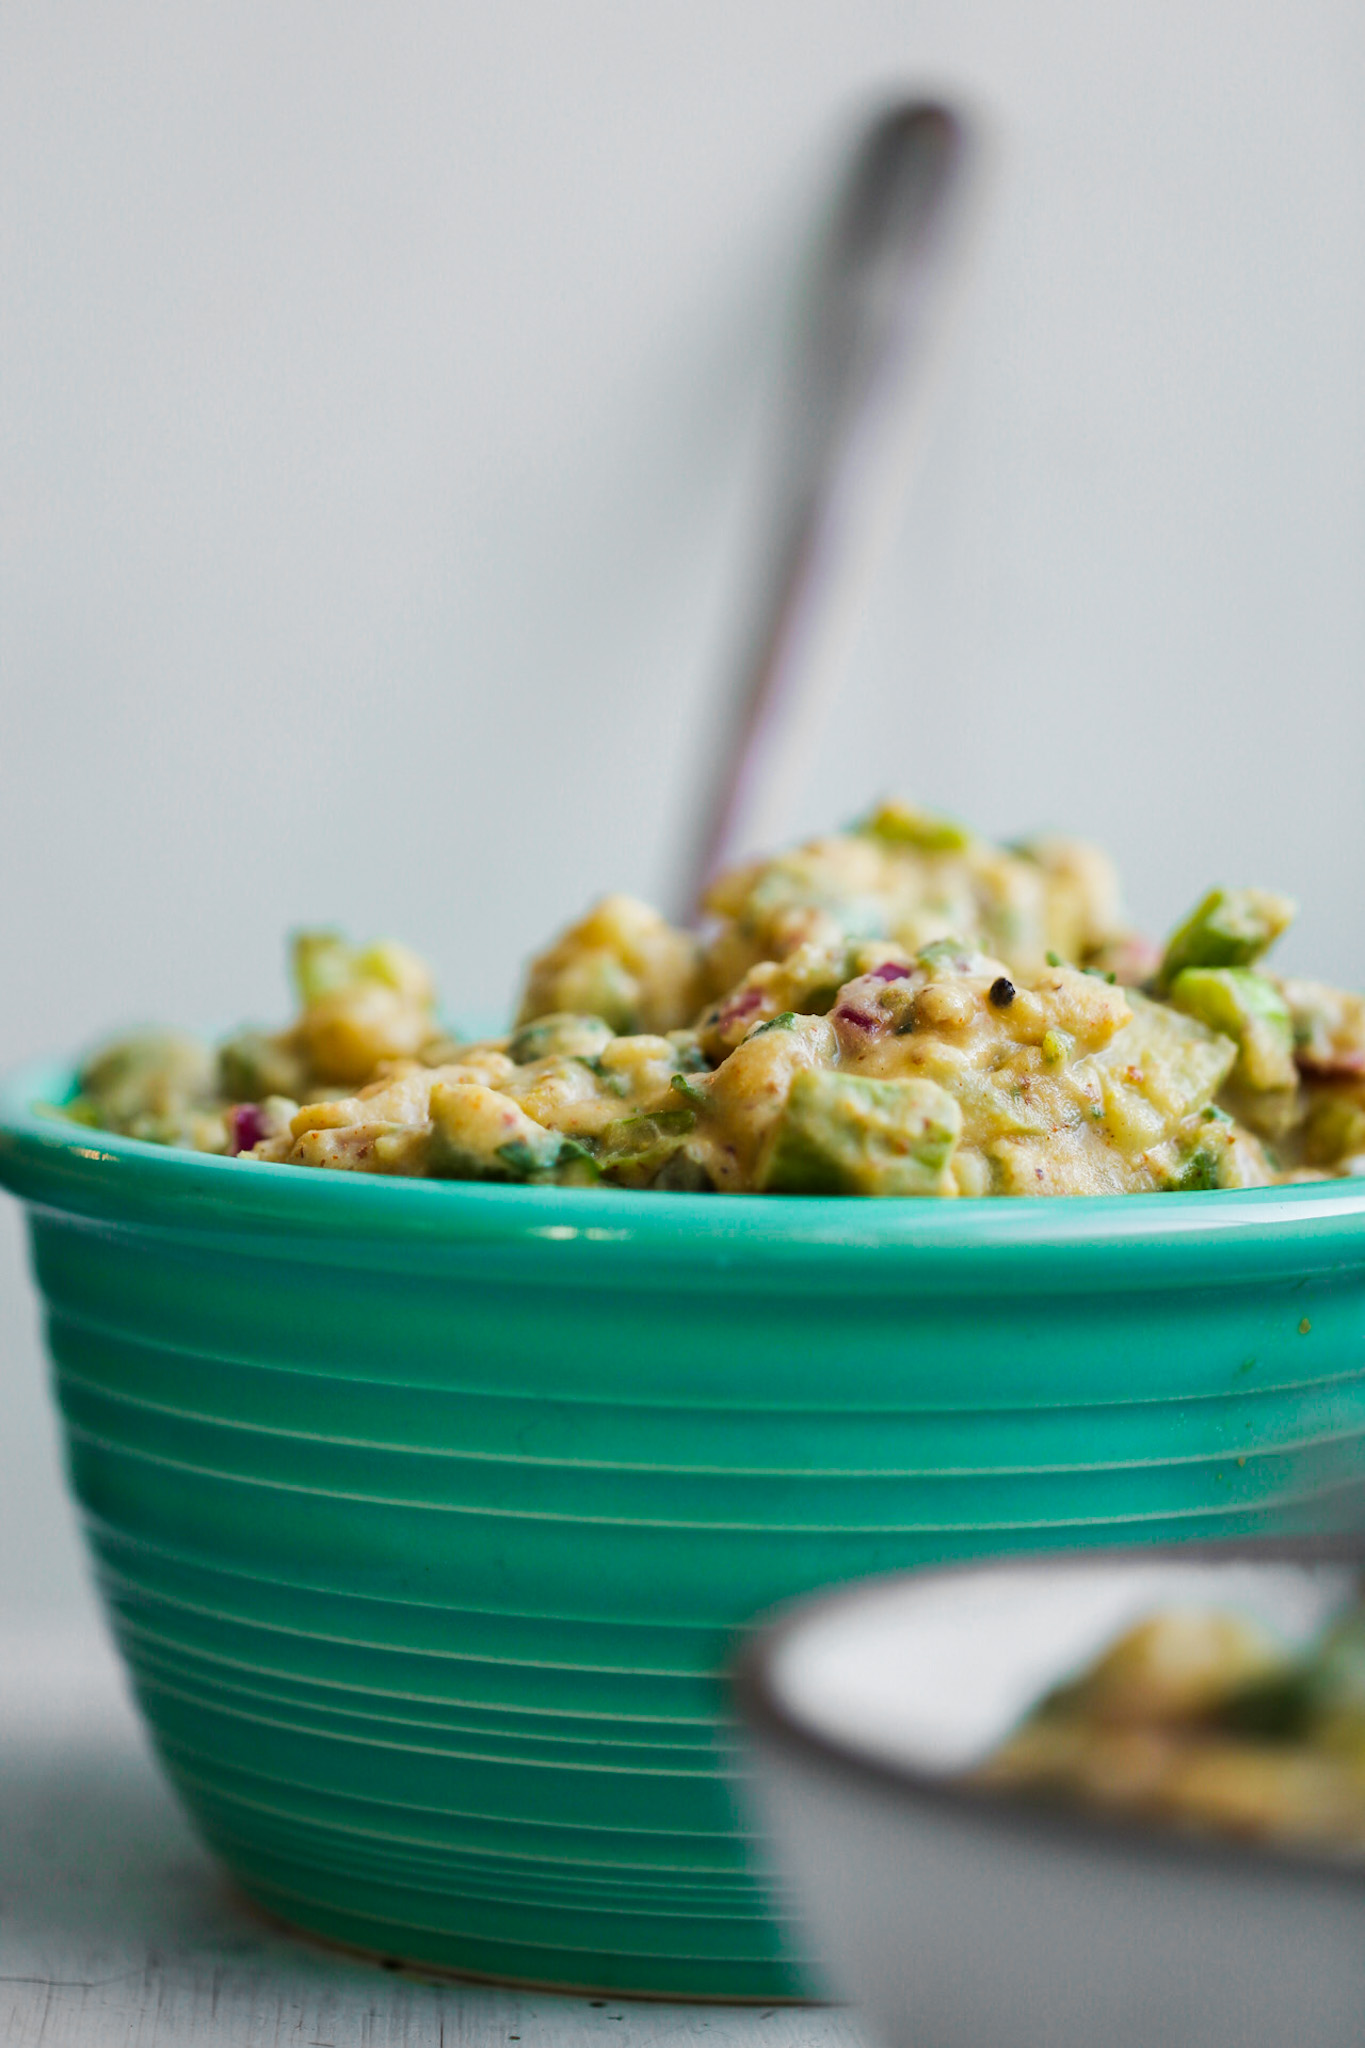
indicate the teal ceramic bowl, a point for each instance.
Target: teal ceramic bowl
{"x":427,"y":1514}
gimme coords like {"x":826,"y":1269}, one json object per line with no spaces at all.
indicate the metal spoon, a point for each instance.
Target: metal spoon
{"x":876,"y":307}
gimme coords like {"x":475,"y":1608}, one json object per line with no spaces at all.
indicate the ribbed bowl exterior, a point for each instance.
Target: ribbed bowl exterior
{"x":427,"y":1515}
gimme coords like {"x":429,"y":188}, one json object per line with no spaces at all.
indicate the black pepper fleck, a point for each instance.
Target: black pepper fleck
{"x":1002,"y":992}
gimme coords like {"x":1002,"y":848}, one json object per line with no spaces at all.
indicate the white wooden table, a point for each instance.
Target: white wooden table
{"x":116,"y":1930}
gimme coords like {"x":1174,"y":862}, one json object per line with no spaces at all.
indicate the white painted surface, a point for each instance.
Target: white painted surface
{"x":381,"y":422}
{"x":117,"y":1932}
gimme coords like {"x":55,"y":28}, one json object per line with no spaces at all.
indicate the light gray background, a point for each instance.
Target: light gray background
{"x":384,"y":402}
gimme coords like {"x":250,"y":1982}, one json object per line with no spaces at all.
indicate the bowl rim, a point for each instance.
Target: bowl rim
{"x":77,"y":1169}
{"x":768,"y":1717}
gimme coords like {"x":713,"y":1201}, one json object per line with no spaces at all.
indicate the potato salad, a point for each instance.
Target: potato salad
{"x":902,"y":1008}
{"x":1200,"y":1719}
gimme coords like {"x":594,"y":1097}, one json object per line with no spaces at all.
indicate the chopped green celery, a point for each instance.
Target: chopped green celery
{"x":255,"y":1064}
{"x":152,"y":1079}
{"x":782,"y":1022}
{"x":636,"y":1149}
{"x":323,"y":961}
{"x":943,"y":953}
{"x":1245,"y":1006}
{"x":563,"y":1033}
{"x":390,"y":964}
{"x":577,"y":1165}
{"x":1229,"y":928}
{"x":897,"y":824}
{"x":846,"y":1134}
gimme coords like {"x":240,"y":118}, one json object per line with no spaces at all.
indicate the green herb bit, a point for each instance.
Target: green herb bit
{"x":630,"y":1135}
{"x":674,"y":1123}
{"x":524,"y":1157}
{"x":577,"y":1164}
{"x":783,"y":1022}
{"x":1279,"y":1708}
{"x":689,"y":1054}
{"x":1199,"y":1170}
{"x":612,"y":1084}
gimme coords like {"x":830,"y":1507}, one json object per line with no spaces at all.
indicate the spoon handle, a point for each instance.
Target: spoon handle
{"x":850,"y":438}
